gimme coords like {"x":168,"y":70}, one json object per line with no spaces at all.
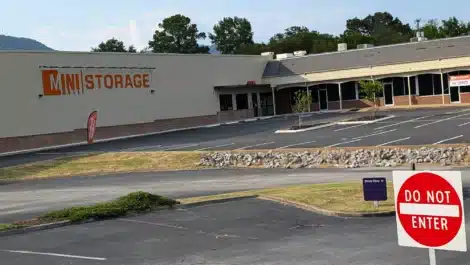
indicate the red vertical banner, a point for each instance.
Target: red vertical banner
{"x":91,"y":126}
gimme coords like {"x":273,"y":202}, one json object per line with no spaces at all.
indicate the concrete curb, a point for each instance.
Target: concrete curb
{"x":34,"y":228}
{"x":306,"y":129}
{"x":324,"y":211}
{"x":48,"y":226}
{"x":365,"y":122}
{"x":202,"y":203}
{"x":48,"y":148}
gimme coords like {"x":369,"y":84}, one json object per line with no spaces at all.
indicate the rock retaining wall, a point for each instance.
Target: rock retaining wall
{"x":384,"y":157}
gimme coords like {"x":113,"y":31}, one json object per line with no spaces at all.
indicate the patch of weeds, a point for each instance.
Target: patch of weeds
{"x":5,"y":227}
{"x":136,"y":202}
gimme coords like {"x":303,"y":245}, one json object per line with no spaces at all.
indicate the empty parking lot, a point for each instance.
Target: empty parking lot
{"x":258,"y":232}
{"x":407,"y":127}
{"x":418,"y":127}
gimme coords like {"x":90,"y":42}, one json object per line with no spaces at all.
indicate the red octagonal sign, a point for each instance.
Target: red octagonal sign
{"x":429,"y":207}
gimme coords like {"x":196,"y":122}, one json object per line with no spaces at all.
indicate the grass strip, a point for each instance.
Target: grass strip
{"x":104,"y":163}
{"x":339,"y":197}
{"x":5,"y":227}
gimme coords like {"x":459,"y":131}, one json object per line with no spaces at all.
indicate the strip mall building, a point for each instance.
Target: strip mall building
{"x":47,"y":97}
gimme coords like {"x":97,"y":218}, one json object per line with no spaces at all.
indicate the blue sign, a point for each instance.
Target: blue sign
{"x":375,"y":189}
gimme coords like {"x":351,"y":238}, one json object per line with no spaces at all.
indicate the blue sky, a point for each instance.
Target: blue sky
{"x":79,"y":25}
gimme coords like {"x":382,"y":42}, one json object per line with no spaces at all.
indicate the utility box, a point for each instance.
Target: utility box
{"x":342,"y":47}
{"x":300,"y":53}
{"x":284,"y":55}
{"x":364,"y":46}
{"x":268,"y":54}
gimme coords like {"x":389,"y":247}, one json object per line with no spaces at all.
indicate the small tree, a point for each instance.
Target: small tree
{"x":303,"y":101}
{"x":371,"y":88}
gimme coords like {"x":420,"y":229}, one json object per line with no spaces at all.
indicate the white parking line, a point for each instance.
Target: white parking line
{"x":398,"y":123}
{"x":231,"y":122}
{"x":453,"y":112}
{"x":333,"y":145}
{"x":286,"y":146}
{"x":446,"y":119}
{"x":65,"y":153}
{"x":445,"y":140}
{"x":151,"y":223}
{"x":374,"y":134}
{"x":394,"y":141}
{"x":180,"y":147}
{"x":141,"y":148}
{"x":464,"y":124}
{"x":52,"y":254}
{"x":222,"y":145}
{"x":241,"y":148}
{"x":350,"y":127}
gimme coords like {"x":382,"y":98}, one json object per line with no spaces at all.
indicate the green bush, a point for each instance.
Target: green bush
{"x":136,"y":202}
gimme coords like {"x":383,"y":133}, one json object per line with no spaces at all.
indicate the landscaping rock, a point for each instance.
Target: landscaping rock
{"x":386,"y":157}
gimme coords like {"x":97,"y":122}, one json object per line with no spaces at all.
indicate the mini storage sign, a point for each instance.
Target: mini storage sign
{"x":429,"y":209}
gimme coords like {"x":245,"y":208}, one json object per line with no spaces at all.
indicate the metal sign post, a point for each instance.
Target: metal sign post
{"x":431,"y":251}
{"x":432,"y":256}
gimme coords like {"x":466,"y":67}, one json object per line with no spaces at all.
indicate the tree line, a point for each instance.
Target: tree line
{"x":234,"y":35}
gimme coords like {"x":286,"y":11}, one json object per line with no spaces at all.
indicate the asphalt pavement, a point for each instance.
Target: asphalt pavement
{"x":412,"y":127}
{"x":27,"y":199}
{"x":250,"y":231}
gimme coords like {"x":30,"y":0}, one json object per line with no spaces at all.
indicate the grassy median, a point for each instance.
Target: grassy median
{"x":133,"y":203}
{"x":104,"y":163}
{"x":338,"y":197}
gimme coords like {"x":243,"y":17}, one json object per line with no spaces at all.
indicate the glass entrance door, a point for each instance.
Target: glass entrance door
{"x":267,"y":105}
{"x":454,"y":94}
{"x":254,"y":100}
{"x":388,"y":94}
{"x":323,"y":99}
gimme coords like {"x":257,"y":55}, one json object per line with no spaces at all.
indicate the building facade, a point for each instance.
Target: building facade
{"x":47,"y":97}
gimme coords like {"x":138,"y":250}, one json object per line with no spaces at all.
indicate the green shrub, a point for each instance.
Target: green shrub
{"x":136,"y":202}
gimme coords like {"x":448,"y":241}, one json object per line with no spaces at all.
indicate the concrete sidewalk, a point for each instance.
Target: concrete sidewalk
{"x":414,"y":107}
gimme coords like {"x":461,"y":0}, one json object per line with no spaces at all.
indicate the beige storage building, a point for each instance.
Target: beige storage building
{"x":47,"y":97}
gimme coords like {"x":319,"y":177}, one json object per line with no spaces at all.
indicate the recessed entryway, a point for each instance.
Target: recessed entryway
{"x":323,"y":99}
{"x":454,"y":94}
{"x":388,"y":94}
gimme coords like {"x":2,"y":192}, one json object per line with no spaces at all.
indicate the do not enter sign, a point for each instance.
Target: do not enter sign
{"x":429,"y":209}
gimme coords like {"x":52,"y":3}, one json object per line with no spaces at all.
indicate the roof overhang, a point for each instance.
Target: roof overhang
{"x":230,"y":87}
{"x":395,"y":70}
